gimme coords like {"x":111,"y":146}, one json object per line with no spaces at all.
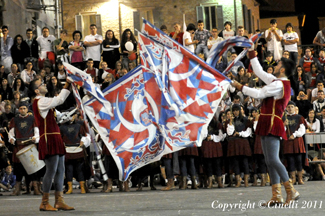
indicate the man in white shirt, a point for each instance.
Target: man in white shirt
{"x":6,"y":43}
{"x":290,"y":40}
{"x":320,"y":38}
{"x":270,"y":127}
{"x":273,"y":37}
{"x":319,"y":103}
{"x":45,"y":42}
{"x":93,"y":43}
{"x":215,"y":38}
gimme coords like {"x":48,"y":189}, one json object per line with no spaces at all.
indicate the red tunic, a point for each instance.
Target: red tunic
{"x":270,"y":120}
{"x":50,"y":142}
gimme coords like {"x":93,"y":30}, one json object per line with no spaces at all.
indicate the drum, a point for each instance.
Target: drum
{"x":28,"y":157}
{"x":74,"y":152}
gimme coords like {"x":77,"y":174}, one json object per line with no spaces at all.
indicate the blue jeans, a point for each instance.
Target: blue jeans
{"x":202,"y":49}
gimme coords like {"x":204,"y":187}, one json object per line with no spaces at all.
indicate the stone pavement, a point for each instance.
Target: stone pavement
{"x":176,"y":202}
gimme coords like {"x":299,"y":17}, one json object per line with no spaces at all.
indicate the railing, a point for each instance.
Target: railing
{"x":315,"y":138}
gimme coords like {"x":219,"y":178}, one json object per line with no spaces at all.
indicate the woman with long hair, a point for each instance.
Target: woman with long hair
{"x":76,"y":48}
{"x":60,"y":73}
{"x":20,"y":87}
{"x":5,"y":90}
{"x":110,"y":48}
{"x":53,"y":86}
{"x":128,"y":36}
{"x":301,"y":79}
{"x":19,"y":51}
{"x":15,"y":102}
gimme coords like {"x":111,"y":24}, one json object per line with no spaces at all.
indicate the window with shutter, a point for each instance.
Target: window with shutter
{"x":220,"y":17}
{"x":211,"y":15}
{"x":136,"y":22}
{"x":83,"y":21}
{"x":79,"y":23}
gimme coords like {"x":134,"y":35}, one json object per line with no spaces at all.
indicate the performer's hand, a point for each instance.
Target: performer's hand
{"x":236,"y":134}
{"x":12,"y":141}
{"x":286,"y":123}
{"x":34,"y":139}
{"x":291,"y":137}
{"x":209,"y":137}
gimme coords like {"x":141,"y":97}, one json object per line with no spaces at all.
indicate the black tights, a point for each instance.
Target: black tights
{"x":260,"y":162}
{"x":212,"y":166}
{"x":294,"y":162}
{"x":243,"y":160}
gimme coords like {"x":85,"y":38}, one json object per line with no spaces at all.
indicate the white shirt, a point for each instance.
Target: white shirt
{"x":46,"y":103}
{"x":270,"y":44}
{"x":214,"y":41}
{"x":272,"y":89}
{"x":93,"y":52}
{"x":314,"y":92}
{"x":27,"y":78}
{"x":291,"y":36}
{"x":45,"y":45}
{"x":187,"y":36}
{"x":314,"y":126}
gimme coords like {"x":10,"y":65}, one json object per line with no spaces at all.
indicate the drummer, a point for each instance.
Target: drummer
{"x":23,"y":131}
{"x":75,"y":139}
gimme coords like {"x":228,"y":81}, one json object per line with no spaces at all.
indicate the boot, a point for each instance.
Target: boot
{"x":70,"y":188}
{"x":17,"y":189}
{"x":293,"y":177}
{"x":109,"y":186}
{"x":36,"y":191}
{"x":246,"y":176}
{"x":292,"y":194}
{"x":126,"y":186}
{"x":219,"y":181}
{"x":120,"y":186}
{"x":276,"y":196}
{"x":104,"y":187}
{"x":263,"y":180}
{"x":300,"y":181}
{"x":255,"y":180}
{"x":231,"y":180}
{"x":184,"y":183}
{"x":82,"y":187}
{"x":170,"y":185}
{"x":238,"y":181}
{"x":193,"y":179}
{"x":210,"y":183}
{"x":59,"y":202}
{"x":45,"y":206}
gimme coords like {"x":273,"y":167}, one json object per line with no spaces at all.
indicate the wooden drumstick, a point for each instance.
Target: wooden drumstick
{"x":76,"y":148}
{"x":28,"y":140}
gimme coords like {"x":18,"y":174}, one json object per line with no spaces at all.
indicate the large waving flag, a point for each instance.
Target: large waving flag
{"x":160,"y":107}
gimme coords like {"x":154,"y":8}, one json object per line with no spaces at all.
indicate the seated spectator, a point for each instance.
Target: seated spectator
{"x":42,"y":74}
{"x":121,"y":73}
{"x":303,"y":104}
{"x":164,"y":29}
{"x":313,"y":124}
{"x":118,"y":67}
{"x":222,"y":64}
{"x":241,"y":76}
{"x":61,"y":47}
{"x":307,"y":59}
{"x":54,"y":87}
{"x":268,"y":61}
{"x":286,"y":54}
{"x":188,"y":37}
{"x":301,"y":79}
{"x":227,"y":32}
{"x":3,"y":73}
{"x":320,"y":167}
{"x":237,"y":65}
{"x":61,"y":73}
{"x":322,"y":119}
{"x":319,"y":103}
{"x":5,"y":90}
{"x":8,"y":180}
{"x":20,"y":87}
{"x":320,"y":86}
{"x":49,"y":72}
{"x":321,"y":59}
{"x":104,"y":68}
{"x":19,"y":51}
{"x":91,"y":70}
{"x":290,"y":40}
{"x":314,"y":75}
{"x":13,"y":74}
{"x":215,"y":38}
{"x":131,"y":66}
{"x":201,"y":36}
{"x":28,"y":74}
{"x":108,"y":80}
{"x":15,"y":102}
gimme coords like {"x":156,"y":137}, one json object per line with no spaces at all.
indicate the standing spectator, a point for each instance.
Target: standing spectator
{"x":215,"y":38}
{"x":320,"y":38}
{"x":6,"y":44}
{"x":92,"y":43}
{"x":177,"y":34}
{"x":227,"y":32}
{"x":19,"y":51}
{"x":290,"y":40}
{"x":307,"y":59}
{"x":28,"y":74}
{"x":128,"y":36}
{"x":274,"y":37}
{"x":33,"y":49}
{"x":61,"y":47}
{"x":260,"y":46}
{"x":202,"y":36}
{"x":238,"y":50}
{"x":111,"y":47}
{"x":77,"y":49}
{"x":319,"y":103}
{"x":188,"y":37}
{"x":46,"y":48}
